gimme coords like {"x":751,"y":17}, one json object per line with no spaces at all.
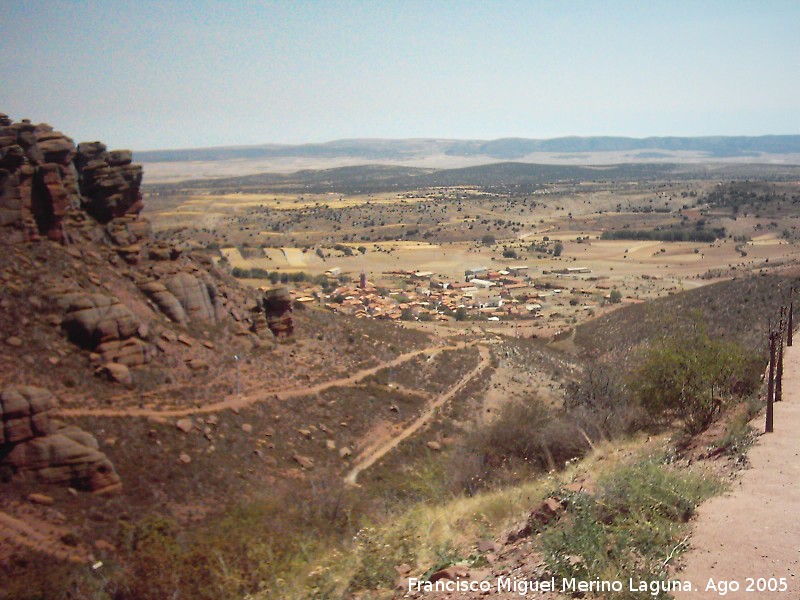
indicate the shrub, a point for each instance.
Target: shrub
{"x":600,"y":403}
{"x":690,"y":376}
{"x":527,"y":432}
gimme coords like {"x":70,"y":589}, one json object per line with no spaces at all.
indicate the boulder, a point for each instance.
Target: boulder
{"x":132,"y":352}
{"x":93,"y":319}
{"x":117,"y":373}
{"x":58,"y":458}
{"x":198,"y":298}
{"x":23,"y":411}
{"x":184,"y":297}
{"x":128,"y":231}
{"x":549,"y":510}
{"x":42,"y":499}
{"x":35,"y":448}
{"x":304,"y":461}
{"x":185,"y":425}
{"x":277,"y":307}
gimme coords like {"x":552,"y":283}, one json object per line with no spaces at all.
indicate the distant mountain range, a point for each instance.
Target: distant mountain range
{"x":714,"y":147}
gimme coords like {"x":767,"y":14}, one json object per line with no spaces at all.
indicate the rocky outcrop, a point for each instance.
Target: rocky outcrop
{"x":104,"y":325}
{"x":125,"y":231}
{"x":37,"y":448}
{"x":92,"y":319}
{"x":44,"y":177}
{"x":277,"y":307}
{"x":109,"y":182}
{"x":24,"y":414}
{"x":38,"y":181}
{"x":184,"y":297}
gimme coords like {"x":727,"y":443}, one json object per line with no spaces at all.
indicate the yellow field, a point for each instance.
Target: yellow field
{"x":399,"y":245}
{"x":228,"y":202}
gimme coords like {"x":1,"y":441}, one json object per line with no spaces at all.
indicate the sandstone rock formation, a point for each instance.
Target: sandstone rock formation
{"x":37,"y":448}
{"x":103,"y":324}
{"x":93,"y":319}
{"x":44,"y":177}
{"x":277,"y":307}
{"x":109,"y":183}
{"x":38,"y":181}
{"x":184,"y":297}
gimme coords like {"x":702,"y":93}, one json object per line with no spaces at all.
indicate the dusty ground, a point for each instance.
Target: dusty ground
{"x":753,"y":533}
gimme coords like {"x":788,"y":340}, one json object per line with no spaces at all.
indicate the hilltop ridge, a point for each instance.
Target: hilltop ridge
{"x":510,"y":148}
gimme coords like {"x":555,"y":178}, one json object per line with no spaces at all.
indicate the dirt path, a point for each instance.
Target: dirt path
{"x":754,"y":531}
{"x":244,"y":400}
{"x":380,"y":447}
{"x":39,"y":536}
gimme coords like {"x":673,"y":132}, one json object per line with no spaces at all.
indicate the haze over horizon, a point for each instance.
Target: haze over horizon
{"x":199,"y":74}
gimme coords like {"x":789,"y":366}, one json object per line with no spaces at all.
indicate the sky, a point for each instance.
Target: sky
{"x":176,"y":74}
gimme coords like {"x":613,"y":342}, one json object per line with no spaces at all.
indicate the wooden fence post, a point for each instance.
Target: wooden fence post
{"x":791,"y":325}
{"x":771,"y":385}
{"x":779,"y":361}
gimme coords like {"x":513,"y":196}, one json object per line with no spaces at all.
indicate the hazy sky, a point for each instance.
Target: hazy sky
{"x":172,"y":74}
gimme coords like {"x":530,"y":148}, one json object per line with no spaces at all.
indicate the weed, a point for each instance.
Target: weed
{"x":632,"y":528}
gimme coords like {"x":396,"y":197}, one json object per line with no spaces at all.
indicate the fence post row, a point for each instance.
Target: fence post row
{"x":779,"y":350}
{"x":771,"y":382}
{"x":776,"y":346}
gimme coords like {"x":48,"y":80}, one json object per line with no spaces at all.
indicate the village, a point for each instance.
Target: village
{"x":491,"y":295}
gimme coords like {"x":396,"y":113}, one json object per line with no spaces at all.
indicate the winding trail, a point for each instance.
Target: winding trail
{"x":244,"y":400}
{"x":45,"y":538}
{"x":41,"y":537}
{"x":385,"y":444}
{"x":755,"y":530}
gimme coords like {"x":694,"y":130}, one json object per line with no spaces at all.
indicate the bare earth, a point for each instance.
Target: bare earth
{"x":387,"y":443}
{"x":754,"y":532}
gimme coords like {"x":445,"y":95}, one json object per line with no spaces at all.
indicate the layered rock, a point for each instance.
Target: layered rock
{"x":184,"y":297}
{"x":109,"y":182}
{"x":43,"y":177}
{"x":93,"y":319}
{"x":37,"y":448}
{"x":277,"y":307}
{"x":38,"y":181}
{"x":24,"y":414}
{"x":103,"y":324}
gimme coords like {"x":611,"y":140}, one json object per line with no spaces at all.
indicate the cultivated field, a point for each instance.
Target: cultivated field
{"x":447,"y":230}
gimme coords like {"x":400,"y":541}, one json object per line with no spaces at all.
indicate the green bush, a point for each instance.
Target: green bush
{"x":691,"y":376}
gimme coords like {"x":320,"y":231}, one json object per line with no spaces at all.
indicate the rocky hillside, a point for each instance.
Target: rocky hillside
{"x":138,"y":379}
{"x":92,"y":303}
